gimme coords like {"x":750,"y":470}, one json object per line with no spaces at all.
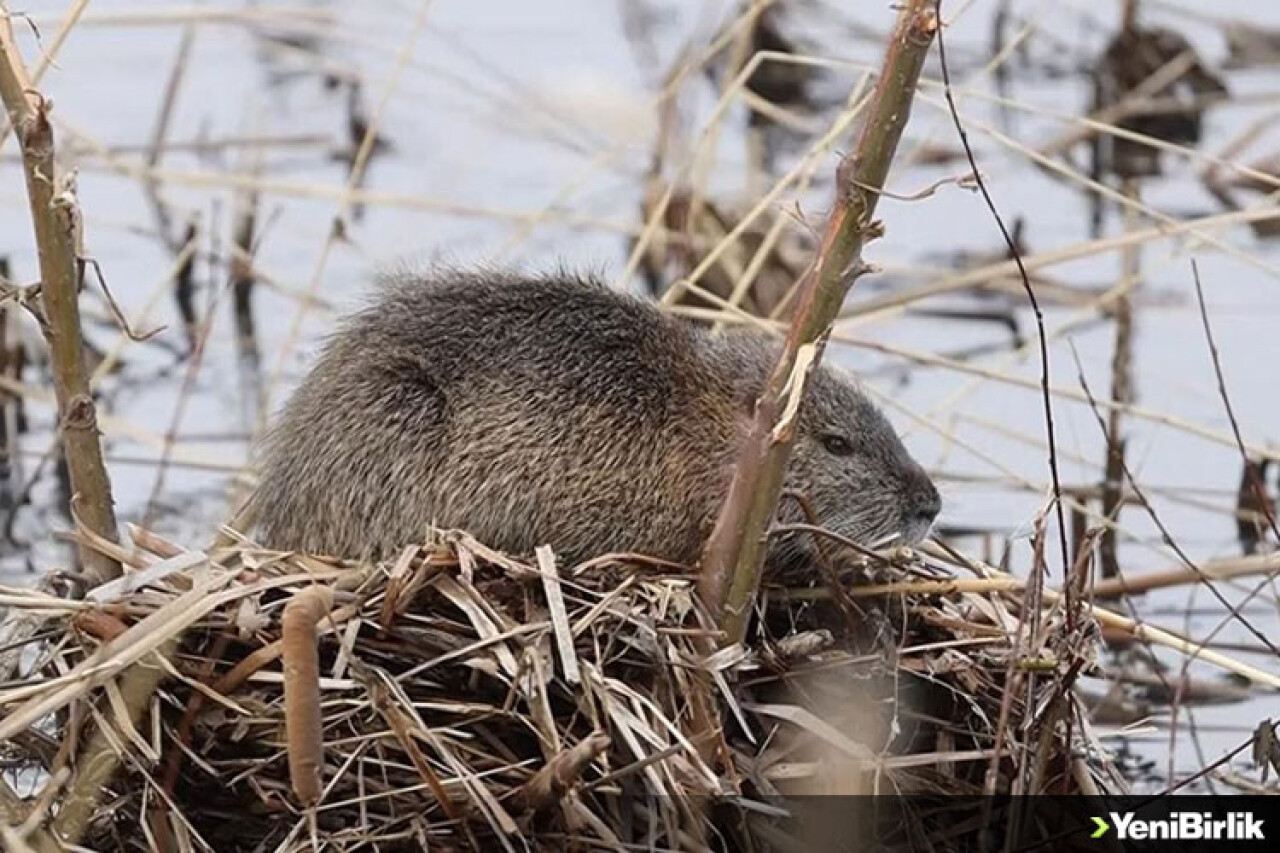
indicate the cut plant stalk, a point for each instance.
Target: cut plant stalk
{"x":734,"y":554}
{"x":56,"y":217}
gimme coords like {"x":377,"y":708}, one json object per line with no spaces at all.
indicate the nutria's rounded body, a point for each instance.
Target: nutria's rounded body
{"x":552,"y":410}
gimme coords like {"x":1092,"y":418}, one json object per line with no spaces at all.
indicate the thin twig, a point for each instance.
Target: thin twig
{"x":1258,"y":489}
{"x":1233,"y":610}
{"x":1016,"y":256}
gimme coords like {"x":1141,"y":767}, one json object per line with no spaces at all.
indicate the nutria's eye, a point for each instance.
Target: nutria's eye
{"x":837,"y":445}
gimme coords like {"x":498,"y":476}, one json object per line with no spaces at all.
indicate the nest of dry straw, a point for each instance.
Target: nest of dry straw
{"x":463,"y":699}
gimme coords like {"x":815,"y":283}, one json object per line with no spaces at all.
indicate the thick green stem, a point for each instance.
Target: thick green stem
{"x":734,"y":555}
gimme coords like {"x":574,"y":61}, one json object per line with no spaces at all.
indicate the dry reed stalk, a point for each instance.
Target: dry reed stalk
{"x":303,"y":722}
{"x":1121,"y":392}
{"x":300,"y":17}
{"x":1256,"y":174}
{"x":1041,"y":260}
{"x":1202,"y":233}
{"x":948,"y":587}
{"x":734,"y":553}
{"x":1254,"y":471}
{"x":160,"y":209}
{"x":202,"y":146}
{"x":1138,"y":629}
{"x":110,"y":659}
{"x":1087,"y":125}
{"x":1145,"y":413}
{"x":1133,"y":583}
{"x":793,"y":178}
{"x":1233,"y":609}
{"x":662,"y":103}
{"x":55,"y":215}
{"x":1196,"y":498}
{"x":209,"y":179}
{"x":1093,"y":308}
{"x":403,"y":725}
{"x":740,"y":51}
{"x":195,"y":362}
{"x":1128,"y":106}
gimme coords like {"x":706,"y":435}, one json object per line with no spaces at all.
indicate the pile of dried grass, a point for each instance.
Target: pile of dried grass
{"x":468,"y":700}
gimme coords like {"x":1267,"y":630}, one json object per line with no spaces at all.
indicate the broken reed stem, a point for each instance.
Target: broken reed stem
{"x":56,"y":217}
{"x":302,"y":713}
{"x":734,"y":553}
{"x":553,"y":781}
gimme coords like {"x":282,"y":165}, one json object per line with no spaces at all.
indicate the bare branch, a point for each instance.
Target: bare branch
{"x":55,"y":213}
{"x":734,"y":554}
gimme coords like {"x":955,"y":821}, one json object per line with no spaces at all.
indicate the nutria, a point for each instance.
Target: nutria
{"x":553,"y":410}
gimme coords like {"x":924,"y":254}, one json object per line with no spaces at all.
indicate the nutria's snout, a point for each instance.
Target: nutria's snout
{"x":921,"y":506}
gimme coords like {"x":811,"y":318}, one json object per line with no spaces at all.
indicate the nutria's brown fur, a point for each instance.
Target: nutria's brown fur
{"x":553,"y":410}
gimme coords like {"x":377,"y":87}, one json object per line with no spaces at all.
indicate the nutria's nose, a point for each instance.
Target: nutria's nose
{"x":925,"y":502}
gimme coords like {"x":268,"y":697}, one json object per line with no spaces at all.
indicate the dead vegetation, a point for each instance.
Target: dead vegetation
{"x":233,"y":698}
{"x":458,"y":699}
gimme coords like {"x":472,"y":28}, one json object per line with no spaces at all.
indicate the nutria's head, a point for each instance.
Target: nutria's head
{"x":847,"y":459}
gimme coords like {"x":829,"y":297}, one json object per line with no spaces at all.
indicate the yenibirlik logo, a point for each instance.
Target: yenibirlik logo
{"x":1182,"y":826}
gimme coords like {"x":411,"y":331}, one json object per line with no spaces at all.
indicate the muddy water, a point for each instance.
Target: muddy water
{"x":521,"y":131}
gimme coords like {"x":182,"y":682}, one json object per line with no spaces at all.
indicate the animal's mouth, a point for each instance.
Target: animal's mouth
{"x":915,"y":531}
{"x":910,"y":532}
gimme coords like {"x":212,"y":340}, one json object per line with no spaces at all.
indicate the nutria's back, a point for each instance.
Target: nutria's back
{"x":550,"y":410}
